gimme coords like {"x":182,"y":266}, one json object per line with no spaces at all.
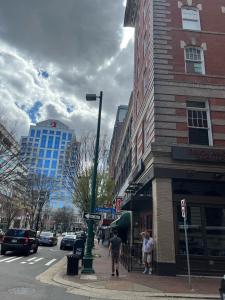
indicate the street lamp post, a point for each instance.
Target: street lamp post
{"x":88,"y":258}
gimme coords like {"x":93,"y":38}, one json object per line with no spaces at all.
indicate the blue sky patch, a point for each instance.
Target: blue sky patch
{"x":33,"y":111}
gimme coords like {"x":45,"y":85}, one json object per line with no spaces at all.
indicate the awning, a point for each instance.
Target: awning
{"x":123,"y":221}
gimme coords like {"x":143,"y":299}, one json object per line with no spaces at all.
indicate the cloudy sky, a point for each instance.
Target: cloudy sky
{"x":53,"y":52}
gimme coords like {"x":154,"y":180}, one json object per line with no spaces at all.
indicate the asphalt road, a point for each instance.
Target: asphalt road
{"x":18,"y":273}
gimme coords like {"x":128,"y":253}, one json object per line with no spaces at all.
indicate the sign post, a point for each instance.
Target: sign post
{"x":184,"y":215}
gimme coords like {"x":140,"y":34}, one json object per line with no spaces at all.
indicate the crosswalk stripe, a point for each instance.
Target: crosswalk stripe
{"x":8,"y":258}
{"x":50,"y":262}
{"x":31,"y":258}
{"x":36,"y":260}
{"x":8,"y":261}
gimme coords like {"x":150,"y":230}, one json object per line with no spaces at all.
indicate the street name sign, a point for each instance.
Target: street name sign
{"x":92,"y":216}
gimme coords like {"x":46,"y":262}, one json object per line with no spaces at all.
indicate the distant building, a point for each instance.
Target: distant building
{"x":120,"y":117}
{"x":45,"y":152}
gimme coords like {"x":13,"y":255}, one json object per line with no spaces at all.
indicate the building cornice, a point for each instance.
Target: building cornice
{"x":130,"y":13}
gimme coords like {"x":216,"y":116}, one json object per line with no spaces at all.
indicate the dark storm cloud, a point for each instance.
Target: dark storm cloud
{"x":80,"y":32}
{"x":76,"y":43}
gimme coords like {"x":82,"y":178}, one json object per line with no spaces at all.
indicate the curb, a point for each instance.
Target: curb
{"x":54,"y":276}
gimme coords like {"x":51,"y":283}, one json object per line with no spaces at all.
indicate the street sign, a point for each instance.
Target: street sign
{"x":183,"y":208}
{"x":92,"y":216}
{"x":110,"y":210}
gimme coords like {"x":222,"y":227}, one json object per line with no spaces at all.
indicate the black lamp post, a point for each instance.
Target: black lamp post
{"x":88,"y":258}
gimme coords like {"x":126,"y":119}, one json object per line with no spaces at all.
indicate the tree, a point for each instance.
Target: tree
{"x":64,"y":218}
{"x":78,"y":172}
{"x":38,"y":188}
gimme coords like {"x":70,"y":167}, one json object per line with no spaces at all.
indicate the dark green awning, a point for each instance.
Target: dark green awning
{"x":123,"y":221}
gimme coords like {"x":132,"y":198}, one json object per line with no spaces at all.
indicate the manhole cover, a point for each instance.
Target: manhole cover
{"x":22,"y":291}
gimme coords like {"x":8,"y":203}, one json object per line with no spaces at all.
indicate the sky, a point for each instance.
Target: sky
{"x":53,"y":52}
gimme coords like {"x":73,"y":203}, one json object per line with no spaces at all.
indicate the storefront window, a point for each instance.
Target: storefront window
{"x":195,"y":235}
{"x":215,"y":230}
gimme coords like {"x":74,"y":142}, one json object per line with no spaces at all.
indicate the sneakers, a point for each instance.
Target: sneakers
{"x":117,"y":273}
{"x":113,"y":274}
{"x":145,"y":271}
{"x":150,"y":271}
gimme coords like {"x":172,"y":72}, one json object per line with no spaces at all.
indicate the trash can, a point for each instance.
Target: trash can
{"x":72,"y":264}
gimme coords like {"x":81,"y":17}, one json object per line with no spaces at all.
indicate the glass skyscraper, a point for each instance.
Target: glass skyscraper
{"x":44,"y":151}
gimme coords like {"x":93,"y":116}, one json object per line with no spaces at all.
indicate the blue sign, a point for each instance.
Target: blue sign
{"x":109,"y":210}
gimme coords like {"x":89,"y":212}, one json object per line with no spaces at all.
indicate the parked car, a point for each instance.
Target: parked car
{"x":81,"y":235}
{"x":48,"y":239}
{"x":67,"y":242}
{"x":19,"y":240}
{"x":64,"y":233}
{"x":1,"y":235}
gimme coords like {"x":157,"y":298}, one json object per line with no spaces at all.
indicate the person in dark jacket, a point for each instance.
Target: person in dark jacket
{"x":115,"y":248}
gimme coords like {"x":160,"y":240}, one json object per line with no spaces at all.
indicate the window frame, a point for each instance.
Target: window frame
{"x":209,"y":125}
{"x":202,"y":57}
{"x":191,"y":21}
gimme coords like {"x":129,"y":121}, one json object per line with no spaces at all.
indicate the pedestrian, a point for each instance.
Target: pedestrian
{"x":99,"y":237}
{"x":103,"y":237}
{"x":147,"y":248}
{"x":115,"y":249}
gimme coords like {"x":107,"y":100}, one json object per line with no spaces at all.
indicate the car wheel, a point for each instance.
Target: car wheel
{"x":3,"y":252}
{"x":27,"y":252}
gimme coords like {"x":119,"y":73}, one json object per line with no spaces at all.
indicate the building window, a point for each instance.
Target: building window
{"x":58,"y":132}
{"x":41,"y":153}
{"x":55,"y":154}
{"x":38,"y":133}
{"x":48,"y":154}
{"x":57,"y":142}
{"x":145,"y":82}
{"x":199,"y":123}
{"x":51,"y":132}
{"x":54,"y":164}
{"x":47,"y":163}
{"x":64,"y":136}
{"x":32,"y":132}
{"x":69,"y":136}
{"x":191,"y":19}
{"x":43,"y":141}
{"x":194,"y":60}
{"x":50,"y":141}
{"x":40,"y":163}
{"x":45,"y":131}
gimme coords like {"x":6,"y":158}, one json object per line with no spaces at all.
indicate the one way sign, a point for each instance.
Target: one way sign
{"x":92,"y":216}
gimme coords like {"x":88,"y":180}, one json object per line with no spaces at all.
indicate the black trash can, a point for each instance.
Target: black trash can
{"x":72,"y":264}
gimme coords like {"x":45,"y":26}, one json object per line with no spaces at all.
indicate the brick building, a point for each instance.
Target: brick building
{"x":178,"y":131}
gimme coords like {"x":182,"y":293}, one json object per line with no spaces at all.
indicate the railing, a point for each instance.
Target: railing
{"x":131,"y":257}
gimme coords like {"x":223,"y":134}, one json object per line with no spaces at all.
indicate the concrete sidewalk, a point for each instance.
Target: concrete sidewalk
{"x":133,"y":285}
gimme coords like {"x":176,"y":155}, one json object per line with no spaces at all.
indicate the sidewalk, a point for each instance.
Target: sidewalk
{"x":134,"y":285}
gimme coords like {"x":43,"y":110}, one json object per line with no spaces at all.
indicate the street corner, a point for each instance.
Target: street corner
{"x":48,"y":276}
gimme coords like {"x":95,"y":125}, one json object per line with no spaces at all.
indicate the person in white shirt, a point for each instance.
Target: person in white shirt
{"x":147,"y":248}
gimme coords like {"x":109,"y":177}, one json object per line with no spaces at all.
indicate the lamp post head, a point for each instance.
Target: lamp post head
{"x":91,"y":97}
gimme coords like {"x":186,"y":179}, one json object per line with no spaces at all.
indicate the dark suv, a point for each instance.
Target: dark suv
{"x":21,"y":240}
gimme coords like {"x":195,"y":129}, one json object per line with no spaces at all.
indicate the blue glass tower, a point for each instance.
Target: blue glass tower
{"x":44,"y":150}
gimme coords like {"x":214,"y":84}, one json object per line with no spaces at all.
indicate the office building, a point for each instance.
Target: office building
{"x":45,"y":152}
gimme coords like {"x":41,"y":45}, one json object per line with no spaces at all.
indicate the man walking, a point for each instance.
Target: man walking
{"x":147,"y":252}
{"x":115,"y":248}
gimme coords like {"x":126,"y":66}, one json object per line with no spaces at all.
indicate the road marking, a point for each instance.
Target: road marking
{"x":8,"y":258}
{"x":50,"y":262}
{"x":8,"y":261}
{"x":24,"y":262}
{"x":32,"y":258}
{"x":36,"y":260}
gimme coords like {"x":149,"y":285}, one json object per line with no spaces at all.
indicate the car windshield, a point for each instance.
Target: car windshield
{"x":46,"y":234}
{"x":16,"y":232}
{"x":70,"y":236}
